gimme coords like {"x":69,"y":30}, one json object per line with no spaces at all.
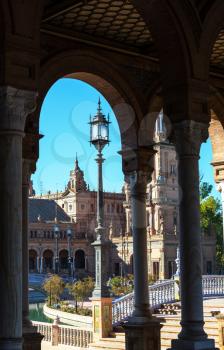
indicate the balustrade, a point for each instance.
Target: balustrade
{"x":213,"y":285}
{"x":67,"y":335}
{"x":159,"y":293}
{"x":162,"y":293}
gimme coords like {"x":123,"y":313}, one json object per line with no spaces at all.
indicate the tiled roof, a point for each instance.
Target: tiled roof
{"x":46,"y":209}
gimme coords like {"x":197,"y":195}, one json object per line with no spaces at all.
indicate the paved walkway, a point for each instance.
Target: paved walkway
{"x":47,"y":346}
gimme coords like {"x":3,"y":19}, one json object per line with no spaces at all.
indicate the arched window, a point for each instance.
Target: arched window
{"x":63,"y":258}
{"x":80,"y":259}
{"x":32,"y":260}
{"x":48,"y":260}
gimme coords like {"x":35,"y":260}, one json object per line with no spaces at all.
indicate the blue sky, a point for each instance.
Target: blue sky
{"x":64,"y":124}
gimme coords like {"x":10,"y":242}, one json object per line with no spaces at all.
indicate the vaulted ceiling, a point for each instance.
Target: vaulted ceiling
{"x":115,"y":23}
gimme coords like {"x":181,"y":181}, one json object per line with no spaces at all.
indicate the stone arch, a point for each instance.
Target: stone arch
{"x":127,"y":104}
{"x":216,"y":134}
{"x":80,"y":259}
{"x":181,"y":28}
{"x":48,"y":256}
{"x":63,"y":259}
{"x":32,"y":260}
{"x":213,"y":23}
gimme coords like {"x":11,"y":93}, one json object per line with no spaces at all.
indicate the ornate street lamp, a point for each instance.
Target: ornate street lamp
{"x":56,"y":235}
{"x":99,"y":137}
{"x":69,"y":237}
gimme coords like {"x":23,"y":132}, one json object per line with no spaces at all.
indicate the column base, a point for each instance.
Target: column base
{"x":142,"y":336}
{"x":179,"y":344}
{"x":32,"y":341}
{"x":11,"y":344}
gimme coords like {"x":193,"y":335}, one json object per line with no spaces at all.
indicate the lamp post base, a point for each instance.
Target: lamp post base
{"x":102,"y":317}
{"x":181,"y":344}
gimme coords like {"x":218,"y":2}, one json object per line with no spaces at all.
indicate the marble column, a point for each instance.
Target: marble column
{"x":41,"y":263}
{"x":15,"y":105}
{"x":188,"y":137}
{"x":38,"y":264}
{"x":142,"y":330}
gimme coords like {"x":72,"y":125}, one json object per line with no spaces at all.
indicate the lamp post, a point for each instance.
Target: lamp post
{"x":99,"y":137}
{"x":69,"y":237}
{"x":56,"y":235}
{"x":101,"y":302}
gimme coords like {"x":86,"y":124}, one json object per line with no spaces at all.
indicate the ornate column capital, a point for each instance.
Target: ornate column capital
{"x":15,"y":105}
{"x":138,"y":160}
{"x":188,"y":136}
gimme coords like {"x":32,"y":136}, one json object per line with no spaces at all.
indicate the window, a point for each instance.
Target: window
{"x":171,"y":268}
{"x":108,"y":208}
{"x":92,"y":207}
{"x":155,"y":269}
{"x":173,"y":169}
{"x":118,"y":209}
{"x":82,"y":206}
{"x":70,"y":207}
{"x":209,"y":267}
{"x":63,"y":206}
{"x":117,"y":269}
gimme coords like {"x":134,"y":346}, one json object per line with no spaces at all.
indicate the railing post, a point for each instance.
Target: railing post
{"x":55,"y":332}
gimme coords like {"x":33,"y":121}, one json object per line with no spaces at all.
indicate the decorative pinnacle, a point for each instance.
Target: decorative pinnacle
{"x":99,"y":109}
{"x":76,"y":161}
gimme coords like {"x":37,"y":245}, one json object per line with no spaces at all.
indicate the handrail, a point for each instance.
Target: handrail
{"x":159,"y":293}
{"x":162,"y":293}
{"x":66,"y":335}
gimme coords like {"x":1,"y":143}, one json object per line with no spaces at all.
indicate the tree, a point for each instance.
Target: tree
{"x":121,"y":285}
{"x":211,"y":219}
{"x":81,"y":290}
{"x":54,"y":287}
{"x":205,"y":190}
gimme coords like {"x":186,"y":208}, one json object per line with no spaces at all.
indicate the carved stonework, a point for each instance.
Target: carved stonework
{"x":15,"y":105}
{"x":140,"y":159}
{"x":188,"y":137}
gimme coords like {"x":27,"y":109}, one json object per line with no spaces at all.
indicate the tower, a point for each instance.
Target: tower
{"x":77,"y":182}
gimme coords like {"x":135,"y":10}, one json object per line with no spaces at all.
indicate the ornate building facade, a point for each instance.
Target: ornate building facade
{"x":75,"y":208}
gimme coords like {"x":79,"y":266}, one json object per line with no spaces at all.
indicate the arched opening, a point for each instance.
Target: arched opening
{"x":32,"y":260}
{"x":63,"y":260}
{"x":48,"y":260}
{"x":80,"y":259}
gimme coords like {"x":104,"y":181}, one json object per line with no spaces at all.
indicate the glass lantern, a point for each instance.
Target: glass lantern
{"x":69,"y":232}
{"x":99,"y":129}
{"x":56,"y":231}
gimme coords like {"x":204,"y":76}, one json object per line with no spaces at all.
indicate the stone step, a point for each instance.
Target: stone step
{"x":108,"y":343}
